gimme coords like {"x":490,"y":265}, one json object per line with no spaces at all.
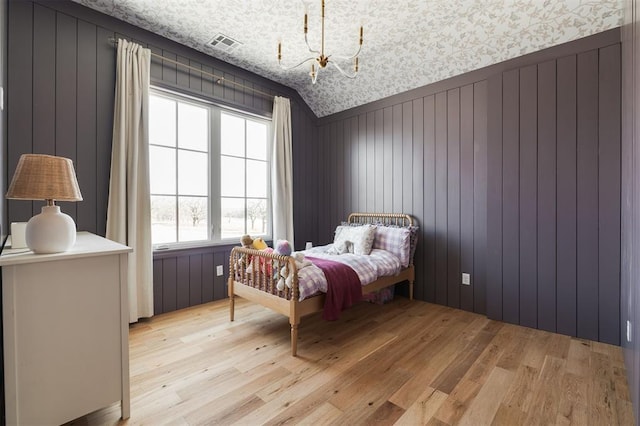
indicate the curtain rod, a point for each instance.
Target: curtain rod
{"x":217,"y":78}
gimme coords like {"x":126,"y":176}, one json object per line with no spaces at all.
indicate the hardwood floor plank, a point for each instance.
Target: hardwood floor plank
{"x":547,"y":391}
{"x":425,"y":407}
{"x":403,"y":363}
{"x":485,"y":405}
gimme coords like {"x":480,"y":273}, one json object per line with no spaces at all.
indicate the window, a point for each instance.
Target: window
{"x":209,"y":172}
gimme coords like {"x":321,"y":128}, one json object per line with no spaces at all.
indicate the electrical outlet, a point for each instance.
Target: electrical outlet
{"x":628,"y":331}
{"x":466,"y":279}
{"x":219,"y":270}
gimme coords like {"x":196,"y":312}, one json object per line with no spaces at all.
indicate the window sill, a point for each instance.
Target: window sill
{"x":204,"y":246}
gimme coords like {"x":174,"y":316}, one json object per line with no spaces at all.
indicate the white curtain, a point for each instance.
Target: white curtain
{"x":129,"y":210}
{"x":282,"y":172}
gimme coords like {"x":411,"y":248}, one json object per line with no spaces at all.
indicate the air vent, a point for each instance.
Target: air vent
{"x":224,"y":43}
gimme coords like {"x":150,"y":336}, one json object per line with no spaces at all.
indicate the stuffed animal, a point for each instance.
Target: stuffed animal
{"x":282,"y":248}
{"x":259,"y":244}
{"x":246,"y":242}
{"x":285,"y":277}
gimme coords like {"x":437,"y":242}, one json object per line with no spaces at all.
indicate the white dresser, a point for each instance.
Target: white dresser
{"x":66,"y":329}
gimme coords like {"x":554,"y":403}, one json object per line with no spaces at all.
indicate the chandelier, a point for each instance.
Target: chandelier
{"x":319,"y":58}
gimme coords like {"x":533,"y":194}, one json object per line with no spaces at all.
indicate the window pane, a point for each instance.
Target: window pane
{"x":194,"y":173}
{"x":256,"y":217}
{"x":231,"y":176}
{"x":192,"y":127}
{"x":257,"y":179}
{"x":231,"y":135}
{"x":193,"y":219}
{"x":162,"y":170}
{"x":162,"y":121}
{"x":232,"y":216}
{"x":256,"y":140}
{"x":163,"y":219}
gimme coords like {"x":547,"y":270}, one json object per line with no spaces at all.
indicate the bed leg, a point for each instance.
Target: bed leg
{"x":294,"y":339}
{"x":232,"y":306}
{"x":410,"y":290}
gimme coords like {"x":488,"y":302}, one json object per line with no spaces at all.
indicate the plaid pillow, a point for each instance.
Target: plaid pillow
{"x":394,"y":240}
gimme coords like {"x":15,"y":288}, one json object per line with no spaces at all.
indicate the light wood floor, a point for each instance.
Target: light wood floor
{"x":405,"y":363}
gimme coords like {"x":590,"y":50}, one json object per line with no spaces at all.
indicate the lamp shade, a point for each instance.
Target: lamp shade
{"x":44,"y":177}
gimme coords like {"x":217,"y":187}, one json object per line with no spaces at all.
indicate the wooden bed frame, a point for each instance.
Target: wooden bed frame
{"x":259,"y":286}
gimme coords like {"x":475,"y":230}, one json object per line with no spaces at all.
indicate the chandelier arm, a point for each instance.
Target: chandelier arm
{"x":297,"y":65}
{"x":309,"y":47}
{"x":335,"y":64}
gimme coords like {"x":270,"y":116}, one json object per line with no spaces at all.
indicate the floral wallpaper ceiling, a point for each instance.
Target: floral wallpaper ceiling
{"x":407,"y":43}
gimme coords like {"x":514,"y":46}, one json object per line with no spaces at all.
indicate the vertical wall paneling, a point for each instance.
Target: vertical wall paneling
{"x":407,"y":157}
{"x":355,"y":164}
{"x":86,"y":126}
{"x":387,"y":140}
{"x":480,"y":194}
{"x":340,"y":173}
{"x":370,"y":163}
{"x":220,"y":286}
{"x":494,"y":199}
{"x":466,"y":195}
{"x":609,"y":195}
{"x":183,"y":278}
{"x":346,"y":150}
{"x":195,"y":279}
{"x":362,"y":162}
{"x":379,"y":161}
{"x":440,"y":229}
{"x":397,"y":158}
{"x":546,"y":214}
{"x":555,"y":151}
{"x":566,"y":210}
{"x":453,"y":198}
{"x":169,"y":285}
{"x":510,"y":197}
{"x":417,"y":195}
{"x":157,"y":286}
{"x":208,"y":273}
{"x":20,"y":80}
{"x":428,"y":225}
{"x":528,"y":196}
{"x":44,"y":80}
{"x":66,"y":79}
{"x":587,"y":191}
{"x":630,"y":197}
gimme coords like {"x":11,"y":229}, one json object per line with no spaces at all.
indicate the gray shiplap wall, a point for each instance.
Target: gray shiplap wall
{"x":61,"y":84}
{"x":426,"y":157}
{"x":513,"y":173}
{"x":554,"y":195}
{"x":630,"y":265}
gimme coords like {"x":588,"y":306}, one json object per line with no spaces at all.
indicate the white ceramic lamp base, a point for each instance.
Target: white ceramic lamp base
{"x":51,"y":231}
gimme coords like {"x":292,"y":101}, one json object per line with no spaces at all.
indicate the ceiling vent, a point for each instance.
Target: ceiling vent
{"x":224,"y":43}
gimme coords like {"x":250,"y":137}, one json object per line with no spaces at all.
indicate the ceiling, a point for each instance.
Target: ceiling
{"x":407,"y":43}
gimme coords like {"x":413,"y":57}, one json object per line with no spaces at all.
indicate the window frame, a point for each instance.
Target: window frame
{"x":214,"y":197}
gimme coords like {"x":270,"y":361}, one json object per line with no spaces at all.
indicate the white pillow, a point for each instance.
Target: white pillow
{"x":354,"y":239}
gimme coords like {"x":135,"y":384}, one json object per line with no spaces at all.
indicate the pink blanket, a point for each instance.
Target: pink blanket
{"x":343,"y":287}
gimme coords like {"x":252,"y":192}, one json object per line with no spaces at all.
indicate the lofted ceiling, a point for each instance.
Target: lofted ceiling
{"x":407,"y":43}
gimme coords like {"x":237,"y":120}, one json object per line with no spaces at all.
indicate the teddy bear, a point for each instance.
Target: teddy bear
{"x":246,"y":242}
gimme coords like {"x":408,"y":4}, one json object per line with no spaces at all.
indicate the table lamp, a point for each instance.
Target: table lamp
{"x":49,"y":178}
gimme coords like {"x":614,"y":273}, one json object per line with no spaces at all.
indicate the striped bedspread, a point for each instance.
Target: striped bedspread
{"x":311,"y":279}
